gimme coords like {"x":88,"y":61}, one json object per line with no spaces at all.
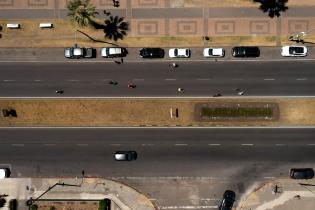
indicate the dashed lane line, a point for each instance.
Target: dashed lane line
{"x":269,"y":79}
{"x":115,"y":144}
{"x":49,"y":145}
{"x":187,"y":207}
{"x":214,"y":144}
{"x":301,"y":79}
{"x":82,"y":145}
{"x":181,"y":144}
{"x":247,"y":144}
{"x":17,"y":145}
{"x":280,"y":145}
{"x":169,"y":79}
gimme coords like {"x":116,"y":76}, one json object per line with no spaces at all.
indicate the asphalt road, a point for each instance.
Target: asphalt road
{"x":182,"y":168}
{"x":162,"y":152}
{"x":256,"y":78}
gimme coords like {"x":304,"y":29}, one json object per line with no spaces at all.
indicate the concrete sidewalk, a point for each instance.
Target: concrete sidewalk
{"x":291,"y":195}
{"x":123,"y":197}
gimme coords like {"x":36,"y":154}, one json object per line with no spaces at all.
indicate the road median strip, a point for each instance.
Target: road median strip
{"x":176,"y":112}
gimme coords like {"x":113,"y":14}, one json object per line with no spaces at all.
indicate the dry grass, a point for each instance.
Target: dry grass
{"x":63,"y":35}
{"x":67,"y":205}
{"x":135,"y":112}
{"x":239,"y":3}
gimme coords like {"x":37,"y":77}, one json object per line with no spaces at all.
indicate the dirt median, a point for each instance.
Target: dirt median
{"x":143,"y":112}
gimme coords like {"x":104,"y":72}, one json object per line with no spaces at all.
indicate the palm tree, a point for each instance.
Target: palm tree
{"x":81,"y":12}
{"x":115,"y":28}
{"x":273,"y":7}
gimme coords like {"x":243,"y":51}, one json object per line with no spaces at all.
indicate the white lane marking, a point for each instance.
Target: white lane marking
{"x":17,"y":145}
{"x":203,"y":79}
{"x":73,"y":80}
{"x":280,"y":144}
{"x":310,"y":144}
{"x":159,"y":97}
{"x":166,"y":61}
{"x":301,"y":79}
{"x":169,"y":79}
{"x":180,"y":144}
{"x":158,"y":127}
{"x":166,"y":178}
{"x":152,"y":199}
{"x":82,"y":145}
{"x":214,"y":144}
{"x":237,"y":79}
{"x":49,"y":145}
{"x":138,"y":79}
{"x":37,"y":80}
{"x":269,"y":177}
{"x":8,"y":80}
{"x":187,"y":207}
{"x":209,"y":199}
{"x":115,"y":144}
{"x":147,"y":145}
{"x":247,"y":144}
{"x":269,"y":79}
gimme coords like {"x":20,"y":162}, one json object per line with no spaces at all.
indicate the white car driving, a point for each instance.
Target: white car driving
{"x":294,"y":51}
{"x":213,"y":52}
{"x":179,"y":53}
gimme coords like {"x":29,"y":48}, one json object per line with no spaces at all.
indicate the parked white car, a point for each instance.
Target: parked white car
{"x":295,"y":51}
{"x":111,"y":52}
{"x":4,"y":173}
{"x":179,"y":53}
{"x":213,"y":52}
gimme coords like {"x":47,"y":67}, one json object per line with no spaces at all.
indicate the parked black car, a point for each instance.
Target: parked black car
{"x":243,"y":51}
{"x":90,"y":52}
{"x":228,"y":200}
{"x":301,"y":173}
{"x":152,"y":53}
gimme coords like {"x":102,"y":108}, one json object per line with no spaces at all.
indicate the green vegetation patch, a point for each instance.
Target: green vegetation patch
{"x":227,"y":112}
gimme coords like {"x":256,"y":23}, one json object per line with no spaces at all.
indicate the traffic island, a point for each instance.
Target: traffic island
{"x":268,"y":112}
{"x":73,"y":193}
{"x":280,"y":194}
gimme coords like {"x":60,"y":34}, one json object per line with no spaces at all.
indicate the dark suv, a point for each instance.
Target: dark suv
{"x":301,"y":173}
{"x":152,"y":53}
{"x":228,"y":200}
{"x":243,"y":51}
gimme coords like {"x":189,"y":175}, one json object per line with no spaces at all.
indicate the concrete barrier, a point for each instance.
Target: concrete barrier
{"x":13,"y":25}
{"x":46,"y":25}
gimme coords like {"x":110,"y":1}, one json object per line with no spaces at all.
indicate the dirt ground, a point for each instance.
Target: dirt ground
{"x":239,"y":3}
{"x":64,"y":35}
{"x":68,"y":205}
{"x":143,"y":112}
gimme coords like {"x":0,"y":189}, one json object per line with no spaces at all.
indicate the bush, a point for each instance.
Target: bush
{"x":52,"y":208}
{"x":104,"y":204}
{"x":13,"y":204}
{"x":34,"y":207}
{"x":2,"y":202}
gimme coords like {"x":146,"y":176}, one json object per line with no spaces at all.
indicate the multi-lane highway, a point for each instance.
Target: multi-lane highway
{"x":256,"y":78}
{"x":162,"y":152}
{"x":175,"y":167}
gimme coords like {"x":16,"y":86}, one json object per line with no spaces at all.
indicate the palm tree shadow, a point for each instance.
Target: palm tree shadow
{"x":96,"y":40}
{"x":273,"y":7}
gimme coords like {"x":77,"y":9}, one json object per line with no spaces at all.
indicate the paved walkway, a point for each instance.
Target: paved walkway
{"x":122,"y":196}
{"x":291,"y":195}
{"x":154,"y":18}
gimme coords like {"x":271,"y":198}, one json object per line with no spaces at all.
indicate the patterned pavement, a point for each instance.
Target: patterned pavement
{"x":170,"y":18}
